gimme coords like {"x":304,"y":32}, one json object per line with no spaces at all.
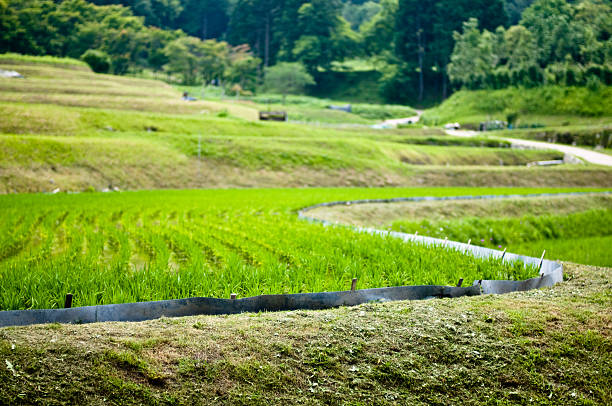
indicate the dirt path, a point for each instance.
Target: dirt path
{"x":584,"y":154}
{"x":393,"y":123}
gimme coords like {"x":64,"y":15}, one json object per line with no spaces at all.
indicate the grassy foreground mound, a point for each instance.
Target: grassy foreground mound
{"x":548,"y":347}
{"x":75,"y":130}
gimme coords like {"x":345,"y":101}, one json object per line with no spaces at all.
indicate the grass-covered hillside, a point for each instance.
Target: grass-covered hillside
{"x":72,"y":129}
{"x":544,"y":106}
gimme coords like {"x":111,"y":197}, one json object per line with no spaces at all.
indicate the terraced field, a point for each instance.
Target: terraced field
{"x":65,"y":127}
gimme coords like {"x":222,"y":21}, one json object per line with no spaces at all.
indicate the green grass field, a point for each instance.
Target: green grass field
{"x":304,"y":109}
{"x":139,"y":246}
{"x":582,"y":250}
{"x":19,"y":59}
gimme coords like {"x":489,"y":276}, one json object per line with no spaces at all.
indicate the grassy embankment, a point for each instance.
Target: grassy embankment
{"x":554,"y":114}
{"x":549,"y":106}
{"x":576,"y":228}
{"x":546,"y":347}
{"x":140,"y":246}
{"x":72,"y":129}
{"x":68,"y":63}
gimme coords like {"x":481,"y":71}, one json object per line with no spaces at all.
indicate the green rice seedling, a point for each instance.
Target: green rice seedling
{"x":582,"y":250}
{"x":141,"y":246}
{"x":495,"y":232}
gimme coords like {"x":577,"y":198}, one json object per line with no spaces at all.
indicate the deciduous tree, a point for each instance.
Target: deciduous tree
{"x":287,"y":78}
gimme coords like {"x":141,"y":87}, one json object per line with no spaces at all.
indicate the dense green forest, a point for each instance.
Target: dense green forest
{"x":421,"y":49}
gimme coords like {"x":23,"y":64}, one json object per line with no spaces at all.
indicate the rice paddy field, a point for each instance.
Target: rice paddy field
{"x":569,"y":228}
{"x":66,"y":129}
{"x":153,"y":245}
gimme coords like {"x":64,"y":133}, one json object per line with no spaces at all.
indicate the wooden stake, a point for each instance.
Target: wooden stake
{"x":68,"y":302}
{"x":541,"y":261}
{"x":354,"y":284}
{"x":233,"y":296}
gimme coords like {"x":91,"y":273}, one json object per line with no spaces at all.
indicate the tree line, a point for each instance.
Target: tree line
{"x":112,"y":39}
{"x":424,"y":49}
{"x":555,"y":42}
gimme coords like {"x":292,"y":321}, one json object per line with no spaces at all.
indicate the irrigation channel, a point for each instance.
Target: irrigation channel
{"x":551,"y":273}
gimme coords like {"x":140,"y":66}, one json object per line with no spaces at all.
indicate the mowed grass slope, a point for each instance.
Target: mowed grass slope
{"x":141,"y":246}
{"x":73,"y":130}
{"x":547,"y":347}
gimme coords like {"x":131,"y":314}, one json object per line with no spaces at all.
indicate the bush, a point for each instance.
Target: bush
{"x":99,"y":61}
{"x":511,"y":117}
{"x":593,"y":83}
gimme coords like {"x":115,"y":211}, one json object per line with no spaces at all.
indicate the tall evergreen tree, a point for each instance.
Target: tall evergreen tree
{"x":424,"y":39}
{"x":204,"y":18}
{"x":258,"y":23}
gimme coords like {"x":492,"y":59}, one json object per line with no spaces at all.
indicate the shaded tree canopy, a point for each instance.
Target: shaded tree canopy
{"x":287,"y":78}
{"x":555,"y":42}
{"x":424,"y":48}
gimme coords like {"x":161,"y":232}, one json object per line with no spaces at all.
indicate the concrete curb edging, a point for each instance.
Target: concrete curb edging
{"x":551,"y":273}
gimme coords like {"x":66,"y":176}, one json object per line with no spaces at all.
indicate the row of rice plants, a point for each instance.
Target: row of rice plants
{"x":585,"y":250}
{"x":145,"y":246}
{"x":507,"y":231}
